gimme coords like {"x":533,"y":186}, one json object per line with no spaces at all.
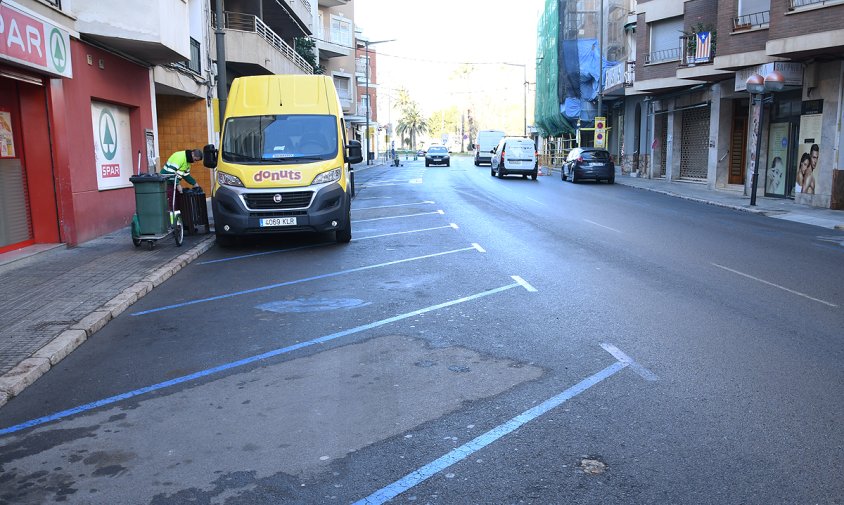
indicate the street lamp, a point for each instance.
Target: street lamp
{"x":759,"y":87}
{"x":366,"y":44}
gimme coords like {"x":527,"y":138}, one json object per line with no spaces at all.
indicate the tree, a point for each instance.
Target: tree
{"x":412,"y":124}
{"x":445,"y":121}
{"x":304,"y":47}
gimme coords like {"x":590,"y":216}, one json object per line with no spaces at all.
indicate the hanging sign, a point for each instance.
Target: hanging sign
{"x":31,"y":42}
{"x":600,"y":132}
{"x":112,"y":145}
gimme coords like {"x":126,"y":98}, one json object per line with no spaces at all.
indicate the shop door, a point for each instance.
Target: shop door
{"x":694,"y":149}
{"x":15,"y":224}
{"x":738,"y":143}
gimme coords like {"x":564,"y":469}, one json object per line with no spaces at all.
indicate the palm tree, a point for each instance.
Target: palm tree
{"x":412,"y":124}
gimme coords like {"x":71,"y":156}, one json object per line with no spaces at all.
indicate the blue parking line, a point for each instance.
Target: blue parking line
{"x":245,"y":361}
{"x":425,"y":472}
{"x":274,"y":251}
{"x":297,"y":281}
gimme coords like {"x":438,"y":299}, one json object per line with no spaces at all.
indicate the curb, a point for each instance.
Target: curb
{"x":29,"y":370}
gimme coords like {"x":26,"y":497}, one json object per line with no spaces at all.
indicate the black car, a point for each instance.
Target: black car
{"x":437,"y":155}
{"x":588,"y":163}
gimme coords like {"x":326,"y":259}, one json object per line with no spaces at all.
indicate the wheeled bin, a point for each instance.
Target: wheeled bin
{"x":191,"y":202}
{"x":151,"y":204}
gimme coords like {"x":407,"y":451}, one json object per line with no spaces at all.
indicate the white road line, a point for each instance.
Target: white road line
{"x":627,"y":360}
{"x":602,"y":226}
{"x":798,"y":293}
{"x":397,"y":217}
{"x":536,"y":201}
{"x":478,"y":247}
{"x":400,"y":233}
{"x":523,"y":283}
{"x":454,"y":226}
{"x":396,"y":205}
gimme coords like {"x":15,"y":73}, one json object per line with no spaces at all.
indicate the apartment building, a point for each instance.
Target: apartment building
{"x":689,"y":117}
{"x":676,"y":98}
{"x":92,"y":92}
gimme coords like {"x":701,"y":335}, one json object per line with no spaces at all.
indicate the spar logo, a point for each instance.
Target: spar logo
{"x":277,"y":175}
{"x":58,"y":51}
{"x":107,"y":134}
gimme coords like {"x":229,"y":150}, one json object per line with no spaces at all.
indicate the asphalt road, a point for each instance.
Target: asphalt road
{"x":480,"y":340}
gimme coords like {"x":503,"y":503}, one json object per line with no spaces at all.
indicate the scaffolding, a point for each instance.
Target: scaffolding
{"x":554,"y":151}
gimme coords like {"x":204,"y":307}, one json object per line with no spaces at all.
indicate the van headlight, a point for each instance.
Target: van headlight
{"x":330,"y":176}
{"x":228,"y":179}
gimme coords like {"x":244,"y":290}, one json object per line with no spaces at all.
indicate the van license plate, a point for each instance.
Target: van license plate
{"x":278,"y":221}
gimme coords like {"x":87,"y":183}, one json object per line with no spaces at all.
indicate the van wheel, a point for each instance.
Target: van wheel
{"x":500,"y":172}
{"x":534,"y":175}
{"x":344,"y":234}
{"x":476,"y":163}
{"x":491,"y":171}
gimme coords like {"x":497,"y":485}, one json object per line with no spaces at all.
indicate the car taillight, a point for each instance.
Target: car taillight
{"x":580,"y":159}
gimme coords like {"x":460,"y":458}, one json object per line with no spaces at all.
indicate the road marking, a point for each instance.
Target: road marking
{"x":423,"y":473}
{"x":602,"y":226}
{"x":247,"y":361}
{"x":478,"y":247}
{"x":523,"y":283}
{"x":401,"y":233}
{"x":398,"y":217}
{"x":453,"y":226}
{"x":297,"y":281}
{"x":275,"y":251}
{"x":397,"y":205}
{"x":798,"y":293}
{"x":415,"y":181}
{"x":536,"y":201}
{"x":627,"y":360}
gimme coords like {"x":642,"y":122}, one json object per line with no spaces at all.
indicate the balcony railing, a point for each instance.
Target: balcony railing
{"x":621,"y":74}
{"x":195,"y":62}
{"x":249,"y":23}
{"x":663,"y":56}
{"x":796,"y":4}
{"x":697,"y":50}
{"x":754,"y":20}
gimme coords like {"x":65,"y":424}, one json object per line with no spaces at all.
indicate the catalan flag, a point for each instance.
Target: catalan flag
{"x":703,"y":48}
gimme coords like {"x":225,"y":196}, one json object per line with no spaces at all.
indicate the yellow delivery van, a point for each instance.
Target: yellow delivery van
{"x":282,"y":164}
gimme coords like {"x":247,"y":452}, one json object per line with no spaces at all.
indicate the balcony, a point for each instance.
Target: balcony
{"x":662,"y":56}
{"x":619,"y":77}
{"x":751,"y":21}
{"x":253,"y":48}
{"x":154,"y":31}
{"x":697,"y":49}
{"x":799,"y":4}
{"x":332,"y":50}
{"x":332,"y":3}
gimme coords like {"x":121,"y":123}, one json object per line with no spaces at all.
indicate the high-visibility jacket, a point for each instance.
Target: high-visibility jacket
{"x":178,"y":162}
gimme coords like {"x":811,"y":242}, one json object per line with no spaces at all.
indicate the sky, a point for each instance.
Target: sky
{"x":433,"y":37}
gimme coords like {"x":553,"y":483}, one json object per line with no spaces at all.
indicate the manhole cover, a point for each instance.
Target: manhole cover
{"x":592,"y":466}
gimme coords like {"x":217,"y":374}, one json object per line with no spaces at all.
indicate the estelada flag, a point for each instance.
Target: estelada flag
{"x":703,"y":48}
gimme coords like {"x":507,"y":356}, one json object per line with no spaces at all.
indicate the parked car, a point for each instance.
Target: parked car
{"x":420,"y":153}
{"x":437,"y":155}
{"x":486,"y":141}
{"x":588,"y":163}
{"x":514,"y":155}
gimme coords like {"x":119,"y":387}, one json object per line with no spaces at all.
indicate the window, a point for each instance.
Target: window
{"x":752,"y":13}
{"x":747,"y":7}
{"x":665,"y":40}
{"x":343,"y":87}
{"x":279,"y":139}
{"x":341,"y":31}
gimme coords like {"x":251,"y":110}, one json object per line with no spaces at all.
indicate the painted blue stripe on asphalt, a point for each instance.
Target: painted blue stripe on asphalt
{"x":297,"y":281}
{"x":425,"y":472}
{"x":245,"y":361}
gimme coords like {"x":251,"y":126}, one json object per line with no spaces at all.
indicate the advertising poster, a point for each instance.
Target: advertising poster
{"x":777,"y":158}
{"x":808,"y":153}
{"x":7,"y":136}
{"x":112,"y":145}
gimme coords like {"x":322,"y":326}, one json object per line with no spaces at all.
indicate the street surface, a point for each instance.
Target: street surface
{"x":480,"y":340}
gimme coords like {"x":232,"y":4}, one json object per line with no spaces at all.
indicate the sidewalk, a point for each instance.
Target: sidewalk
{"x":53,"y":298}
{"x":779,"y":208}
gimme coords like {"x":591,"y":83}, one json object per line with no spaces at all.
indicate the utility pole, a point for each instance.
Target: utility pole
{"x":222,"y":78}
{"x":600,"y":58}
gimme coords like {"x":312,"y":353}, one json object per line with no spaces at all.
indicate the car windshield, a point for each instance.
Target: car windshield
{"x":280,"y":139}
{"x":596,"y":155}
{"x":437,"y":150}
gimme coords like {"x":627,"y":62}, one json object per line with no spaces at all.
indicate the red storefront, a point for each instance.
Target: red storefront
{"x":71,"y":117}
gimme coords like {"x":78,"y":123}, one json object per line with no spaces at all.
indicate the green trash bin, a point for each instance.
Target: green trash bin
{"x":151,"y":203}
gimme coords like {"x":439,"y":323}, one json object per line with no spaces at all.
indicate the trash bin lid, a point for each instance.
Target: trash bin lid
{"x":147,"y":178}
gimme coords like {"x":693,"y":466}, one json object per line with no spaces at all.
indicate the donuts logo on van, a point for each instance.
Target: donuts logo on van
{"x":277,"y":175}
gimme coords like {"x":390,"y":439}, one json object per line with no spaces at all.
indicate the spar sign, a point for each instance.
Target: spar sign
{"x":29,"y":41}
{"x":112,"y":145}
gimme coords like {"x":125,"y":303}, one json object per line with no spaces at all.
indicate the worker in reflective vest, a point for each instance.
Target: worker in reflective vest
{"x":179,"y":162}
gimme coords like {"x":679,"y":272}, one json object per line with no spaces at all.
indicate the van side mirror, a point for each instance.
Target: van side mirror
{"x":354,"y":152}
{"x":209,"y":156}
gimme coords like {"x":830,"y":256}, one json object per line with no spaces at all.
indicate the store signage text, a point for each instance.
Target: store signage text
{"x":29,"y":41}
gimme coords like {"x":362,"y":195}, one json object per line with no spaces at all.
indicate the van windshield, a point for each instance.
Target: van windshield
{"x":280,"y":139}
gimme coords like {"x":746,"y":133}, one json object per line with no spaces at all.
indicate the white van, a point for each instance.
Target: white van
{"x":514,"y":155}
{"x":486,"y":141}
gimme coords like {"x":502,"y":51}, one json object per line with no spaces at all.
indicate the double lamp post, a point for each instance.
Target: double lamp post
{"x":760,"y":88}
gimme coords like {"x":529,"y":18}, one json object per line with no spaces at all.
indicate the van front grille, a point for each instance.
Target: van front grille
{"x":267,"y":201}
